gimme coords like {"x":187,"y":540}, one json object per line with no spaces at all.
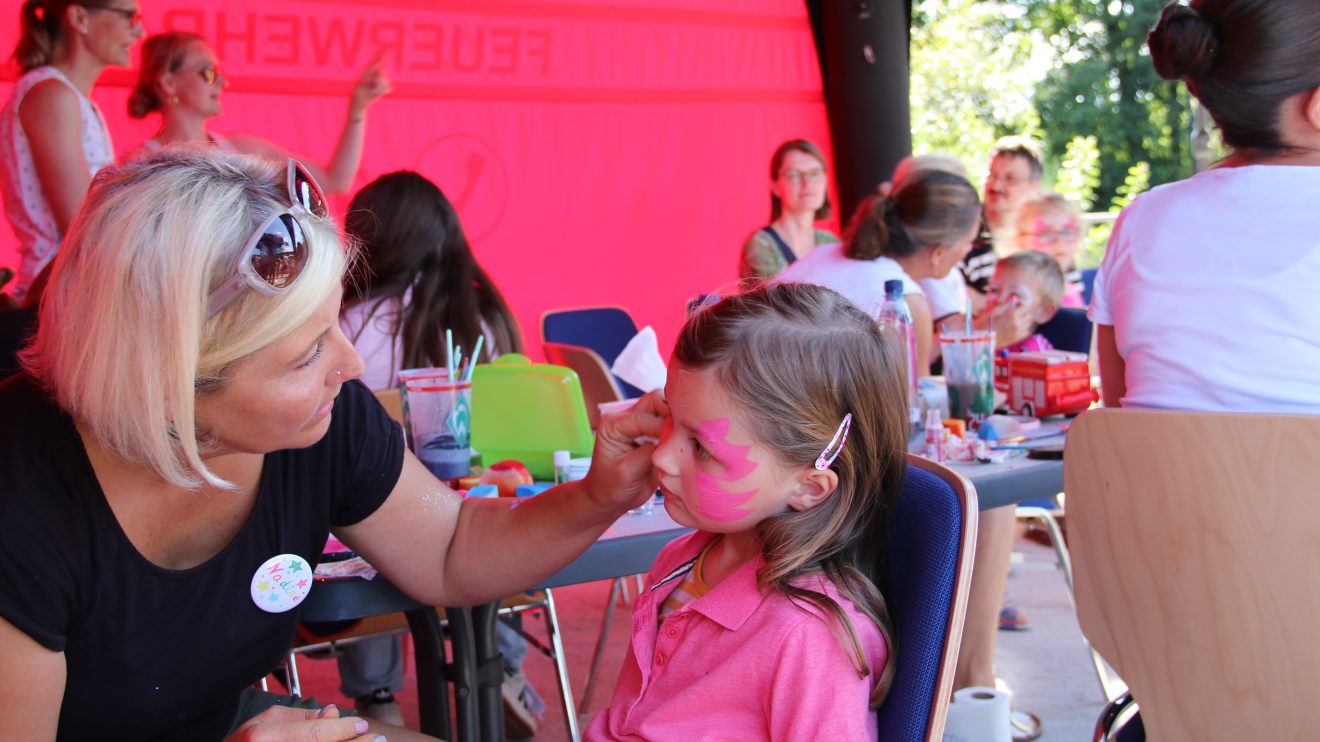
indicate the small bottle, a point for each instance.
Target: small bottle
{"x":562,"y":459}
{"x":896,"y":317}
{"x":934,"y":435}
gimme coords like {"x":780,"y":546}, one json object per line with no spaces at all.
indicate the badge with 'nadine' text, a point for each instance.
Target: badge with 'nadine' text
{"x":281,"y":583}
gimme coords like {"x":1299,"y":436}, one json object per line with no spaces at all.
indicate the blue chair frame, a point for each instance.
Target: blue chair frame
{"x":605,"y":330}
{"x":928,"y":575}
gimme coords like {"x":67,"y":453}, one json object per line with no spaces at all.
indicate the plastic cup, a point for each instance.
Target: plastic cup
{"x":969,"y":365}
{"x":437,"y":413}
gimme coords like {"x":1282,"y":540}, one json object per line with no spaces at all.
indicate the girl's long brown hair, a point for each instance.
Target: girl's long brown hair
{"x":410,"y":237}
{"x":797,"y":358}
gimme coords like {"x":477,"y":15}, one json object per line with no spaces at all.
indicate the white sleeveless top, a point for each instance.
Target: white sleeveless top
{"x":25,"y":201}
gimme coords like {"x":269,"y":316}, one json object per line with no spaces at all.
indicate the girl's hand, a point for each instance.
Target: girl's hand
{"x":284,"y":724}
{"x":621,"y":473}
{"x":371,"y":85}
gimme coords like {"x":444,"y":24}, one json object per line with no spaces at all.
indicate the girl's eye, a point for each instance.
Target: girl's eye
{"x":316,"y":353}
{"x":699,"y":450}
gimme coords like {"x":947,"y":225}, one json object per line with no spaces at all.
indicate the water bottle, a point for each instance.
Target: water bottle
{"x":896,"y":317}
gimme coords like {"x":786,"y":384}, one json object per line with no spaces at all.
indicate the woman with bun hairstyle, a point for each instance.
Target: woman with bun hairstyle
{"x":922,"y":229}
{"x":1205,"y":298}
{"x":180,"y":78}
{"x":53,"y":138}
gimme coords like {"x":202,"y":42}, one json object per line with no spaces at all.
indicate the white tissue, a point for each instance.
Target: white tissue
{"x":978,"y":715}
{"x":640,"y":364}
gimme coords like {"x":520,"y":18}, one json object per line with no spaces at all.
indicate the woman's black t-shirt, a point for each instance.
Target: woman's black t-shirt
{"x":152,"y":653}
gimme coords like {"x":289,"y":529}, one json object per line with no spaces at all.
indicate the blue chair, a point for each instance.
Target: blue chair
{"x":603,"y":329}
{"x":1068,"y":329}
{"x":1088,"y":285}
{"x":929,"y":571}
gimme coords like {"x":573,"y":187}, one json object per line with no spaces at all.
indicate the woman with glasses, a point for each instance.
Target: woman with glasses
{"x":180,"y":78}
{"x":798,"y":199}
{"x":187,"y":429}
{"x":1049,"y":223}
{"x":53,"y":138}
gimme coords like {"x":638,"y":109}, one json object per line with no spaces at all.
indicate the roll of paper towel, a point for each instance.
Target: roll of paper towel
{"x":978,"y":715}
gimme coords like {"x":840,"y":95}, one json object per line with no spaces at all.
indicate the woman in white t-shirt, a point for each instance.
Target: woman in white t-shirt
{"x":921,"y":230}
{"x":1206,"y":296}
{"x":53,"y":138}
{"x":180,"y":79}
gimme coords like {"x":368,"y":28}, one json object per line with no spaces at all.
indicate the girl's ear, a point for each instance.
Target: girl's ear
{"x":937,"y":255}
{"x":813,"y":486}
{"x":1311,"y":108}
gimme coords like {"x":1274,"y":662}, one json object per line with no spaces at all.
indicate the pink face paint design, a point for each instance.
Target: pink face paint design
{"x":732,"y":456}
{"x":714,"y":501}
{"x":717,"y":503}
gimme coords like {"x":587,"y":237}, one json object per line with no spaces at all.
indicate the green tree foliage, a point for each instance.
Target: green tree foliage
{"x":1104,"y":85}
{"x":967,"y":85}
{"x":1075,"y":74}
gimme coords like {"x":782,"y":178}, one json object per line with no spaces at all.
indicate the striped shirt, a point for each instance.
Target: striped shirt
{"x":692,"y":586}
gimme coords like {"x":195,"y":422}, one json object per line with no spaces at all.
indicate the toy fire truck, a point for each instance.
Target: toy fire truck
{"x":1046,"y":382}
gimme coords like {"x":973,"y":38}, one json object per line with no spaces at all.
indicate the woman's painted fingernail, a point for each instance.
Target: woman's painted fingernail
{"x":379,"y":738}
{"x":360,"y":726}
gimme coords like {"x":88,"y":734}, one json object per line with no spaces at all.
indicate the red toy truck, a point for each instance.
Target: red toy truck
{"x":1046,"y":382}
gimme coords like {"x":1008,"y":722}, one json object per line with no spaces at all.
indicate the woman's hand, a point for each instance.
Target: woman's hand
{"x":621,"y":472}
{"x":1012,"y":322}
{"x":370,"y":87}
{"x":284,"y":724}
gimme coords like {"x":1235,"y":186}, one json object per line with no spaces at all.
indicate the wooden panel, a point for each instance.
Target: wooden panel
{"x":1194,"y":540}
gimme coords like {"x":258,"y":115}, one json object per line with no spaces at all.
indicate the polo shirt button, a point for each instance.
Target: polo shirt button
{"x":659,"y":659}
{"x":672,"y":631}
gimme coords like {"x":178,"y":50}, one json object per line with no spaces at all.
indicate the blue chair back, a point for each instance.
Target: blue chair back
{"x":603,"y":329}
{"x":1069,"y":329}
{"x":929,"y":569}
{"x":1088,"y":285}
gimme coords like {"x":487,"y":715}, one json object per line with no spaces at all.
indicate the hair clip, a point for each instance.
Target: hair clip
{"x":827,"y":457}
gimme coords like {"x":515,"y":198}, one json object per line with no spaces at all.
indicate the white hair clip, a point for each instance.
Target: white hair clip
{"x":827,"y":457}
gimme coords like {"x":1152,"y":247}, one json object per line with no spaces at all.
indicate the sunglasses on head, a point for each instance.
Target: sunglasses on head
{"x":275,"y":255}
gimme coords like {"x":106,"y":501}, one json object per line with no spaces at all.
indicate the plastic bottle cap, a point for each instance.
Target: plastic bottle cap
{"x":561,"y":458}
{"x":893,"y":287}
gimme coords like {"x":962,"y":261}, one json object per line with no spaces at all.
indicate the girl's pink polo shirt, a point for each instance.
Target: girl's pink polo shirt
{"x":738,"y":665}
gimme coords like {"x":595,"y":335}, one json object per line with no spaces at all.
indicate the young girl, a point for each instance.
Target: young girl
{"x":1029,"y":281}
{"x":1052,"y":225}
{"x":784,"y":448}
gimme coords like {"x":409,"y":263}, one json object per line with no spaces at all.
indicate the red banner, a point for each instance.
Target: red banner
{"x":598,"y":152}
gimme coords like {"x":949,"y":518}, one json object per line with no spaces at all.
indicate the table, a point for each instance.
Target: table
{"x":626,"y":548}
{"x":476,"y":671}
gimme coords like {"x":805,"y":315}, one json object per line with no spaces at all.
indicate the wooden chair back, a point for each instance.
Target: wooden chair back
{"x":598,"y":383}
{"x":1194,"y":542}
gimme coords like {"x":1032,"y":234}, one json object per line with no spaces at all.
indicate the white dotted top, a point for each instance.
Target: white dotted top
{"x":25,"y":201}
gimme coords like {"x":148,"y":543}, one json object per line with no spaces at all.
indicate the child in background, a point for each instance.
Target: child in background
{"x":1051,"y":224}
{"x":784,"y":448}
{"x":1031,"y":281}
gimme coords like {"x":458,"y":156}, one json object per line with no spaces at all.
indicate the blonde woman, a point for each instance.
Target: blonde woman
{"x":53,"y":138}
{"x":189,"y":420}
{"x":180,"y":79}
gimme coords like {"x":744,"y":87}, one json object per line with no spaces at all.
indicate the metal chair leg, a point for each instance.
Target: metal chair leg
{"x":1109,"y":685}
{"x":608,"y":618}
{"x":291,"y":675}
{"x":561,"y":668}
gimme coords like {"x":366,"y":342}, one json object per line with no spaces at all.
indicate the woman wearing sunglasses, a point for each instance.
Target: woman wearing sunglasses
{"x":53,"y":138}
{"x":180,"y":78}
{"x":189,"y":424}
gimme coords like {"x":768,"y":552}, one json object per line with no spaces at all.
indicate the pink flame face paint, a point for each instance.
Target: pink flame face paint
{"x":715,"y":502}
